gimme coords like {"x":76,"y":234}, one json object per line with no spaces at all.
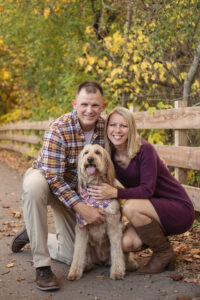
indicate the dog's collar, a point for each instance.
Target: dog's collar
{"x":89,"y":200}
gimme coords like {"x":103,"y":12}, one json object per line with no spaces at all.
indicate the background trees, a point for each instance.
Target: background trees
{"x":140,"y":51}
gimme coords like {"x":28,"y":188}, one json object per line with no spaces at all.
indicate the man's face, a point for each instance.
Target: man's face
{"x":89,"y":107}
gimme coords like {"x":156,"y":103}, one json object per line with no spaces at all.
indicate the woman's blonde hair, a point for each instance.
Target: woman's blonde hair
{"x":134,"y":140}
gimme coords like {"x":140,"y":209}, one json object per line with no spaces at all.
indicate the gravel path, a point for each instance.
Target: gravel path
{"x":17,"y":274}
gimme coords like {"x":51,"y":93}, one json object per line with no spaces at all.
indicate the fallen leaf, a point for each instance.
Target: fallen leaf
{"x":6,"y":223}
{"x":191,"y":280}
{"x":48,"y":298}
{"x":19,"y":278}
{"x":16,"y":214}
{"x":10,"y":265}
{"x":176,"y":277}
{"x":9,"y":234}
{"x":183,"y":298}
{"x":194,"y":267}
{"x":188,"y":258}
{"x":5,"y":206}
{"x":5,"y":229}
{"x":99,"y":276}
{"x":195,"y":251}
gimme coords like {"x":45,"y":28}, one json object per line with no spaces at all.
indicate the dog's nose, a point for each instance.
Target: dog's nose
{"x":90,"y":160}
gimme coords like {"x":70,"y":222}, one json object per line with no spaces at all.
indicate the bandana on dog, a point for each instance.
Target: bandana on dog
{"x":89,"y":200}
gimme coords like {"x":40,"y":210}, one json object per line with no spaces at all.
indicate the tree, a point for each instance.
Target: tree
{"x":144,"y":56}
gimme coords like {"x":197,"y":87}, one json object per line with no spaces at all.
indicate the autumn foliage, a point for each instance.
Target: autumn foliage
{"x":140,"y":51}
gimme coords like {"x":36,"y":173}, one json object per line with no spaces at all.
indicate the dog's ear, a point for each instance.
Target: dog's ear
{"x":110,"y":169}
{"x":80,"y":180}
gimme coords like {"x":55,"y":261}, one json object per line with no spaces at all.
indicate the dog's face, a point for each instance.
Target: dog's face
{"x":95,"y":162}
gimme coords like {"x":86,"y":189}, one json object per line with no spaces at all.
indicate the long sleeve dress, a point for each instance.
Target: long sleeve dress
{"x":146,"y":177}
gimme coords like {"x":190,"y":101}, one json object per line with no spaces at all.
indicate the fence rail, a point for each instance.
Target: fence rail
{"x":21,"y":135}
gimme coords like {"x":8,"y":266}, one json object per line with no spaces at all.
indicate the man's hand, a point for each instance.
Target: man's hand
{"x":90,"y":214}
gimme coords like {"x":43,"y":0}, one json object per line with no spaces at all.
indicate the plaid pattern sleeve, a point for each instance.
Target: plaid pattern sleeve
{"x":62,"y":143}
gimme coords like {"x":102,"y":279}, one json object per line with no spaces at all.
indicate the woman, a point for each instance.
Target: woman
{"x":156,"y":205}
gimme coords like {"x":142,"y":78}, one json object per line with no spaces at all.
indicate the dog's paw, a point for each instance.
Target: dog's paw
{"x":117,"y":275}
{"x":73,"y":276}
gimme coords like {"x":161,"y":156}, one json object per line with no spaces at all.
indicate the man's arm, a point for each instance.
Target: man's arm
{"x":54,"y":165}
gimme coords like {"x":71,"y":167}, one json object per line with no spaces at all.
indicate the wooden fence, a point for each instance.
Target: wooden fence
{"x":21,"y":135}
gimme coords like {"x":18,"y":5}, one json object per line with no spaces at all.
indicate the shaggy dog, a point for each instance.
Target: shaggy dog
{"x":98,"y":244}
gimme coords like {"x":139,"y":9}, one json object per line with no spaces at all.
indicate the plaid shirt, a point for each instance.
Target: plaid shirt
{"x":62,"y":144}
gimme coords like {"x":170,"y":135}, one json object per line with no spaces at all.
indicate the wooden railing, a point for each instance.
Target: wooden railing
{"x":23,"y":136}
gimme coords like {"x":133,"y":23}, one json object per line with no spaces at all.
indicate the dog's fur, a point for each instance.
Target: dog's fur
{"x":97,"y":244}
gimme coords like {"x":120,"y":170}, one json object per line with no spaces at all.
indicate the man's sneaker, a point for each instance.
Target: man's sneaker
{"x":46,"y":279}
{"x":19,"y":241}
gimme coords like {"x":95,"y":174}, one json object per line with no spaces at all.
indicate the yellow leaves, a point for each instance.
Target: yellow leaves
{"x":141,"y":37}
{"x":1,"y":42}
{"x":136,"y":57}
{"x":196,"y":85}
{"x":116,"y":71}
{"x":81,"y":61}
{"x":162,"y":75}
{"x":152,"y":24}
{"x":88,"y":69}
{"x":85,"y":48}
{"x":145,"y":65}
{"x":107,"y":42}
{"x":117,"y":38}
{"x":118,"y":81}
{"x":109,"y":65}
{"x":183,"y":75}
{"x":137,"y":90}
{"x":92,"y":60}
{"x":102,"y":63}
{"x":157,"y":66}
{"x":168,"y":65}
{"x":46,"y":12}
{"x":4,"y":75}
{"x":89,"y":30}
{"x":154,"y":76}
{"x":134,"y":68}
{"x":115,"y":42}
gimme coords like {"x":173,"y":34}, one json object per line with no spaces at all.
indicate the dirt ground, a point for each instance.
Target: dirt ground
{"x":17,"y":274}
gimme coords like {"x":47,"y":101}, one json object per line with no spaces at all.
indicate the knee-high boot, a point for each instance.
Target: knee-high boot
{"x":163,"y":256}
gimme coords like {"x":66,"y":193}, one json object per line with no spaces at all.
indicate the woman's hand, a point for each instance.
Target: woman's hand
{"x":102,"y":192}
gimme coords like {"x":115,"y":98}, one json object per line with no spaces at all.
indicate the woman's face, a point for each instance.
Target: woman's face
{"x":117,"y":130}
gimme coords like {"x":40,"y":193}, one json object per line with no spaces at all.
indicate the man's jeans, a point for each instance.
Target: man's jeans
{"x":36,"y":197}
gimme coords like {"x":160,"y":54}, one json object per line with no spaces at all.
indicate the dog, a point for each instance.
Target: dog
{"x":98,"y":244}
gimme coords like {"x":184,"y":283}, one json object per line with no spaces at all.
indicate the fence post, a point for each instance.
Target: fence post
{"x":180,"y":140}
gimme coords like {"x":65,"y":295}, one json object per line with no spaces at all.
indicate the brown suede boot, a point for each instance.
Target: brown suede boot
{"x":163,"y":256}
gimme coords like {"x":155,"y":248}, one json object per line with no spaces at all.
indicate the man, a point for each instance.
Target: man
{"x":52,"y":180}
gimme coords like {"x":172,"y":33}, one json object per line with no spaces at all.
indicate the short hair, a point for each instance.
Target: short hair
{"x":134,"y":140}
{"x":90,"y":87}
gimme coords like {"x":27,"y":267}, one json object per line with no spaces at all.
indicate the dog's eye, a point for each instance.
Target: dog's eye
{"x":98,"y":152}
{"x":86,"y":152}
